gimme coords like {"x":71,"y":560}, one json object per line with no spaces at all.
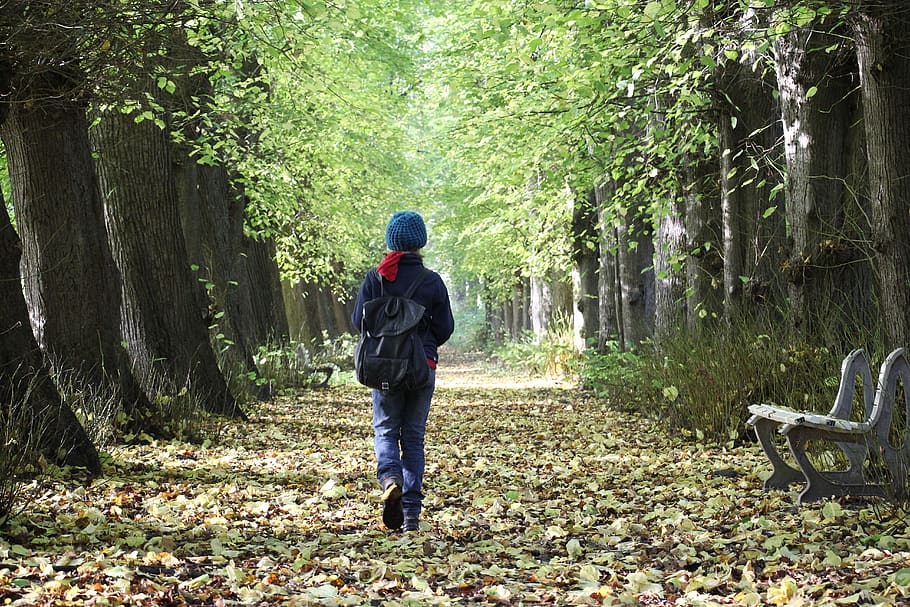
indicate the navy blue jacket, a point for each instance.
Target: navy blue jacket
{"x":431,"y":294}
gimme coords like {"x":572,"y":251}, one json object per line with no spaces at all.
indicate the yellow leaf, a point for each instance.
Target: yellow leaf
{"x":781,"y":594}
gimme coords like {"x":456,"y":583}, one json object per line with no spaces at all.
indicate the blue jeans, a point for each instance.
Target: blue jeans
{"x":399,"y":428}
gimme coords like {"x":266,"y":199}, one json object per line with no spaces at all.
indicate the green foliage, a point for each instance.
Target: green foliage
{"x":616,"y":376}
{"x":708,"y":382}
{"x":554,"y":356}
{"x":309,"y":110}
{"x":702,"y":384}
{"x":294,"y":365}
{"x":471,"y":334}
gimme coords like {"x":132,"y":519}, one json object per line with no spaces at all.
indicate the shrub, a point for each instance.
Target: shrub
{"x":553,"y":356}
{"x":616,"y":376}
{"x":472,"y":333}
{"x":295,"y":365}
{"x":703,"y":383}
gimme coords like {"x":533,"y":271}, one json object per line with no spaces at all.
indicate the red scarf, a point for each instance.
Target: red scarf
{"x":388,"y":267}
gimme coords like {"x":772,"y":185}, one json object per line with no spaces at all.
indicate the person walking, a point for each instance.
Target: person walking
{"x":400,"y":417}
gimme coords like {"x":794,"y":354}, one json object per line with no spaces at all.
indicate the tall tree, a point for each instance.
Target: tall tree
{"x":609,"y":316}
{"x":66,"y":257}
{"x":635,"y":256}
{"x":165,"y":332}
{"x":827,"y":266}
{"x":670,"y":240}
{"x":753,"y":229}
{"x":882,"y":35}
{"x":704,"y":261}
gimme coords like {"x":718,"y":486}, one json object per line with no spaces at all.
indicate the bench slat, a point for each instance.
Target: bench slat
{"x":813,"y":420}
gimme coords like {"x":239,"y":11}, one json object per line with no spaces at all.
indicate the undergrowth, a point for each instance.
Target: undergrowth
{"x":19,"y":444}
{"x":295,"y":365}
{"x":552,"y":356}
{"x":702,"y":384}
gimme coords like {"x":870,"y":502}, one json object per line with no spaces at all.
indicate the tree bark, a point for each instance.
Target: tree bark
{"x":166,"y":335}
{"x":882,"y":35}
{"x":24,"y":376}
{"x":515,"y":319}
{"x":635,"y":252}
{"x":609,"y":325}
{"x":753,"y":234}
{"x":669,"y":275}
{"x":585,"y":263}
{"x":66,"y":257}
{"x":268,"y":318}
{"x":704,"y":263}
{"x":541,"y":306}
{"x":826,"y":266}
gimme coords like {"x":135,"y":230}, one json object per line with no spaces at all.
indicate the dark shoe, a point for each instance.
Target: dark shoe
{"x":411,"y":522}
{"x":392,"y":514}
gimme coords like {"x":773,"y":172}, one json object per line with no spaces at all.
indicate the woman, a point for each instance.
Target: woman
{"x":400,"y":418}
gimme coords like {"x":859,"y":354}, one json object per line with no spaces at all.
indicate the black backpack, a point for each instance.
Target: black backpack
{"x":389,"y":355}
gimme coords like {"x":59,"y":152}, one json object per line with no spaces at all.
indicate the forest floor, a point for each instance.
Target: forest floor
{"x":536,"y":494}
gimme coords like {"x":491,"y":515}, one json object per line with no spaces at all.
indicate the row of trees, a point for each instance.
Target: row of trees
{"x":711,"y":159}
{"x":168,"y":161}
{"x":650,"y":165}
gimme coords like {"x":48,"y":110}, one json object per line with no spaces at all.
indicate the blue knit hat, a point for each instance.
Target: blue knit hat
{"x":406,"y":232}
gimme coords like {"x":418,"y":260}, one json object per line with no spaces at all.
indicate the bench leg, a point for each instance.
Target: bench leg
{"x":819,"y":486}
{"x":856,"y":454}
{"x":783,"y":473}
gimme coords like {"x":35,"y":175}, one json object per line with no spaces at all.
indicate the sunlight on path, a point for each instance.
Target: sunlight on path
{"x":477,"y":371}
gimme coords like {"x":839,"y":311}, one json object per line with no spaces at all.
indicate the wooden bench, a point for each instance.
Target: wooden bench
{"x":854,"y":438}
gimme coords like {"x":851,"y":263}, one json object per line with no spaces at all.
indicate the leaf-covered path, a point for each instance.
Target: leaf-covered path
{"x":536,"y":494}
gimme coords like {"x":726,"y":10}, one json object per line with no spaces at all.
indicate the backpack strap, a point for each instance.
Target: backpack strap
{"x":410,"y":292}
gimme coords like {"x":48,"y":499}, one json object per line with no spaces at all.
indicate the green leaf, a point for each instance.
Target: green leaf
{"x":902,"y":577}
{"x":768,"y":212}
{"x":832,"y":511}
{"x":811,"y":92}
{"x":574,"y":549}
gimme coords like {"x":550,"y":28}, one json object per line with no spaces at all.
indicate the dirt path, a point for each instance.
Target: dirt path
{"x":535,"y":495}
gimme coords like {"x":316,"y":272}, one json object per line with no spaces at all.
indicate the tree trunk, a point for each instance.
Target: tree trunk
{"x":585,"y":263}
{"x":211,"y":216}
{"x":515,"y":321}
{"x":704,"y":263}
{"x":753,"y":232}
{"x":541,"y":306}
{"x":883,"y":49}
{"x":301,"y":328}
{"x":165,"y":333}
{"x":66,"y":257}
{"x":670,"y":278}
{"x":635,"y":252}
{"x":609,"y":325}
{"x":24,"y":376}
{"x":268,"y":319}
{"x":826,"y":265}
{"x":525,"y":304}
